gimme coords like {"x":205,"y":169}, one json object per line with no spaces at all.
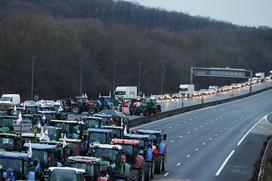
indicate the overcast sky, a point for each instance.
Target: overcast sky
{"x":241,"y":12}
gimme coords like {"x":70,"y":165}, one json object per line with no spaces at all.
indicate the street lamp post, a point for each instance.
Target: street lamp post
{"x":81,"y":76}
{"x":139,"y":80}
{"x":32,"y":77}
{"x":162,"y":67}
{"x":114,"y":76}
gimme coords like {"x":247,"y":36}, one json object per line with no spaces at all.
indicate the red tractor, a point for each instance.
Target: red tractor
{"x":82,"y":104}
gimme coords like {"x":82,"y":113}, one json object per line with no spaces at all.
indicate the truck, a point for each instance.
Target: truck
{"x":186,"y":90}
{"x":8,"y":100}
{"x":125,"y":92}
{"x":260,"y":76}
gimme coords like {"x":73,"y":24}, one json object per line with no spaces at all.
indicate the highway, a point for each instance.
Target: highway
{"x":215,"y":143}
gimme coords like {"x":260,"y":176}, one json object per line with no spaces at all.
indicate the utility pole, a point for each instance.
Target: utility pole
{"x":250,"y":85}
{"x":139,"y":80}
{"x":32,"y":77}
{"x":162,"y":77}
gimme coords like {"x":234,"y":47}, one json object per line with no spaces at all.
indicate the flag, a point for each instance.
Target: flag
{"x":43,"y":117}
{"x":86,"y":96}
{"x":19,"y":119}
{"x":46,"y":135}
{"x":15,"y":108}
{"x":60,"y":109}
{"x":30,"y":149}
{"x":64,"y":141}
{"x":41,"y":134}
{"x":125,"y":131}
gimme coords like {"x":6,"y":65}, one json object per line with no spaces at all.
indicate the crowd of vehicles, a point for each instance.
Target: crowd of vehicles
{"x":37,"y":142}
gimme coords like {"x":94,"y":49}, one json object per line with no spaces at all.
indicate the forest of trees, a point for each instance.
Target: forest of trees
{"x":58,"y":34}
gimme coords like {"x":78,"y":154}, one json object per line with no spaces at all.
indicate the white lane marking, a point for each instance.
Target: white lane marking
{"x":172,"y":141}
{"x":195,"y":129}
{"x":210,"y":139}
{"x":216,"y":119}
{"x":207,"y":123}
{"x":177,"y":124}
{"x":166,"y":174}
{"x":221,"y":131}
{"x":201,"y":126}
{"x":196,"y":149}
{"x":170,"y":127}
{"x":184,"y":122}
{"x":188,"y":156}
{"x":191,"y":119}
{"x":181,"y":136}
{"x":225,"y":128}
{"x":215,"y":135}
{"x":189,"y":132}
{"x":203,"y":143}
{"x":241,"y":140}
{"x":224,"y":163}
{"x":211,"y":121}
{"x":178,"y":164}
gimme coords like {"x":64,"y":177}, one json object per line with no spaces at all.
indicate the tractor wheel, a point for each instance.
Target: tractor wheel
{"x":163,"y":163}
{"x":76,"y":110}
{"x":158,"y":165}
{"x":148,"y":171}
{"x":133,"y":175}
{"x":146,"y":112}
{"x":141,"y":176}
{"x":91,"y":110}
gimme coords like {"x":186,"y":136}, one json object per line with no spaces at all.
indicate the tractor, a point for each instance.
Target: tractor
{"x":135,"y":103}
{"x":148,"y":107}
{"x":117,"y":131}
{"x":45,"y":156}
{"x":147,"y":148}
{"x":95,"y":168}
{"x":15,"y":165}
{"x":118,"y":169}
{"x":94,"y":121}
{"x":131,"y":149}
{"x":157,"y":137}
{"x":82,"y":104}
{"x":99,"y":136}
{"x":104,"y":102}
{"x":72,"y":129}
{"x":11,"y":142}
{"x":65,"y":174}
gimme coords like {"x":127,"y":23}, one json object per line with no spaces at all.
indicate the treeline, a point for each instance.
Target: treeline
{"x":61,"y":33}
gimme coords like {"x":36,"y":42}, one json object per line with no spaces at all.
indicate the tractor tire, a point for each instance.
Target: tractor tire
{"x":76,"y":110}
{"x":158,"y":165}
{"x":91,"y":110}
{"x":141,"y":176}
{"x":163,"y":163}
{"x":152,"y":169}
{"x":146,"y":112}
{"x":148,"y":171}
{"x":133,"y":175}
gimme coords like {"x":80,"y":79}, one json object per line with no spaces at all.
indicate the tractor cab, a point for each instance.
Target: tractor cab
{"x":99,"y":136}
{"x":104,"y":102}
{"x":14,"y":165}
{"x":54,"y":133}
{"x":30,"y":137}
{"x":157,"y":136}
{"x":117,"y":131}
{"x":31,"y":109}
{"x":72,"y":129}
{"x":145,"y":140}
{"x":130,"y":148}
{"x":11,"y":142}
{"x":94,"y":122}
{"x":73,"y":147}
{"x":6,"y":123}
{"x":95,"y":168}
{"x":65,"y":174}
{"x":45,"y":155}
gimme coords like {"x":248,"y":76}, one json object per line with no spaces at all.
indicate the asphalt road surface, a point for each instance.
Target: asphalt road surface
{"x":216,"y":143}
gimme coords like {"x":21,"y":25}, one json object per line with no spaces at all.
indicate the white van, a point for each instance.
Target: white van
{"x":10,"y":99}
{"x":186,"y":90}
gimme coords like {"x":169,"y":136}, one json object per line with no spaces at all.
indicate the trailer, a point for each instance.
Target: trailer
{"x":186,"y":90}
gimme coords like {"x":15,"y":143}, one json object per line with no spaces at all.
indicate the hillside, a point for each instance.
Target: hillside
{"x":62,"y":32}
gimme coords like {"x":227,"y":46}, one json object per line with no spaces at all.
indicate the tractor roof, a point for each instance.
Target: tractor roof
{"x":84,"y":159}
{"x":66,"y":121}
{"x":28,"y":135}
{"x":138,"y":136}
{"x":125,"y":141}
{"x":38,"y":146}
{"x":69,"y":140}
{"x":92,"y":117}
{"x":8,"y":135}
{"x":113,"y":127}
{"x":47,"y":112}
{"x":97,"y":130}
{"x":77,"y":170}
{"x":107,"y":146}
{"x":105,"y":97}
{"x":149,"y":131}
{"x":103,"y":115}
{"x":18,"y":155}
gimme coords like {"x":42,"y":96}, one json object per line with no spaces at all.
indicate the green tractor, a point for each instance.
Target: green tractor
{"x":118,"y":169}
{"x":148,"y":107}
{"x":95,"y":168}
{"x":11,"y":142}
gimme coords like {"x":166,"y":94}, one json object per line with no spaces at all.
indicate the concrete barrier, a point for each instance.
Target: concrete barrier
{"x":148,"y":119}
{"x":263,"y":172}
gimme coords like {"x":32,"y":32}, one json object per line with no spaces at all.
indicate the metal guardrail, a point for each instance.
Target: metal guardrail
{"x":264,"y":162}
{"x":148,"y":119}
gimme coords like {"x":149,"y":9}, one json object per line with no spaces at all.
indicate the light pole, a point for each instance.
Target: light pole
{"x":81,"y":76}
{"x":32,"y":77}
{"x":139,"y":80}
{"x":114,"y":76}
{"x":162,"y":67}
